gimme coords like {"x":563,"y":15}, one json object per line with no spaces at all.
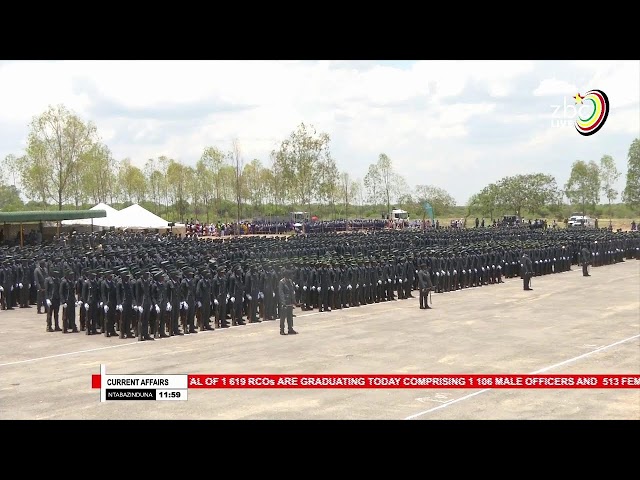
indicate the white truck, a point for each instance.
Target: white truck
{"x":579,"y":220}
{"x":399,"y":218}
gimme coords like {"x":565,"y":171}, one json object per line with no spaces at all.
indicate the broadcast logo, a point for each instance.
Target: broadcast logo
{"x":588,"y":113}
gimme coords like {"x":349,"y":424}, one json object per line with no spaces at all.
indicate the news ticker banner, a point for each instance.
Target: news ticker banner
{"x":175,"y":387}
{"x":140,"y":387}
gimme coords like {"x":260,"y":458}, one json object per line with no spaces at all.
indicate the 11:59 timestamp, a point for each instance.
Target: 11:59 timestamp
{"x":171,"y":394}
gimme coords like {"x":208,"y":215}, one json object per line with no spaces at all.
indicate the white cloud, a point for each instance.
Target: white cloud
{"x":555,"y":87}
{"x":457,"y":124}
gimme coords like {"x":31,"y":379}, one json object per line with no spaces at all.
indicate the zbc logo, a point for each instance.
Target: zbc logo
{"x":588,"y":114}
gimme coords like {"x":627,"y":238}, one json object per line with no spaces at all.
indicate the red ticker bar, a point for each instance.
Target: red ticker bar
{"x":414,"y":381}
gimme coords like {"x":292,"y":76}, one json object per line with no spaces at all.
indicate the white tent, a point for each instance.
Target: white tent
{"x":135,"y":216}
{"x":109,"y":221}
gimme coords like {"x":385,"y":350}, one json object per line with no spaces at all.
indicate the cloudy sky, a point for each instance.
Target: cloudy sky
{"x":458,"y":125}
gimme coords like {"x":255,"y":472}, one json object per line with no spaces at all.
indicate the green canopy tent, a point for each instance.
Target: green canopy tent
{"x":20,"y":218}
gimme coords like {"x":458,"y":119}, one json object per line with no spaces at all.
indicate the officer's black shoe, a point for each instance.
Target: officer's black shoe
{"x":164,"y":335}
{"x":292,"y":332}
{"x":193,"y":330}
{"x":148,"y":338}
{"x":49,"y":329}
{"x":224,"y":325}
{"x":57,"y":329}
{"x":282,"y":332}
{"x":428,"y":307}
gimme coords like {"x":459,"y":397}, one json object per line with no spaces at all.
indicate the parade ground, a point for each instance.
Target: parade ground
{"x":568,"y":324}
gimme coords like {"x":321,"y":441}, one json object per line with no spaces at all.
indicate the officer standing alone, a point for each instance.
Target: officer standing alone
{"x":527,"y":271}
{"x":425,"y":285}
{"x":585,"y":259}
{"x":286,"y":296}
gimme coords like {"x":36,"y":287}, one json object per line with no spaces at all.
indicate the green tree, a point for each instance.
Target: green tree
{"x":34,"y":175}
{"x":204,"y":181}
{"x":193,"y":190}
{"x":439,"y":199}
{"x":227,"y":188}
{"x":631,"y":193}
{"x":238,"y":166}
{"x":57,"y":141}
{"x":253,"y":186}
{"x":473,"y":205}
{"x":132,"y":181}
{"x":609,"y":175}
{"x":176,"y":180}
{"x":347,"y":193}
{"x":357,"y":187}
{"x":372,"y":181}
{"x":328,"y":190}
{"x":98,"y":175}
{"x":214,"y":160}
{"x":278,"y":187}
{"x":530,"y":192}
{"x":583,"y":186}
{"x":153,"y":178}
{"x":10,"y":169}
{"x":10,"y":200}
{"x":488,"y":201}
{"x":163,"y":168}
{"x":300,"y":159}
{"x":387,"y":178}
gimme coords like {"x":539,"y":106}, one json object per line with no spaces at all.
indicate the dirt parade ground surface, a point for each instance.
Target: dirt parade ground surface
{"x":568,"y":324}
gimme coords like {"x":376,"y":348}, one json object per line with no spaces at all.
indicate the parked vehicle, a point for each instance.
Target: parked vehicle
{"x":399,"y":217}
{"x":577,"y":220}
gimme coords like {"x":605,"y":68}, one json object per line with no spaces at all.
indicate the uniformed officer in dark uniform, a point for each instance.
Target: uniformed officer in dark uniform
{"x":585,"y":260}
{"x":108,"y":296}
{"x":425,"y":285}
{"x":39,"y":274}
{"x":286,"y":296}
{"x":221,"y":296}
{"x":527,"y":271}
{"x":125,"y":299}
{"x":52,"y":299}
{"x":68,"y":299}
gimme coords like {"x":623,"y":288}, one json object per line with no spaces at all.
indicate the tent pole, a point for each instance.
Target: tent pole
{"x":21,"y":236}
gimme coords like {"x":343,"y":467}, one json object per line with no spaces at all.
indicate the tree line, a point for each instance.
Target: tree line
{"x":66,"y":165}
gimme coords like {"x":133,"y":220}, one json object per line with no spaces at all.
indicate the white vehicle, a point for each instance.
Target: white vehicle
{"x":577,"y":220}
{"x":399,"y":217}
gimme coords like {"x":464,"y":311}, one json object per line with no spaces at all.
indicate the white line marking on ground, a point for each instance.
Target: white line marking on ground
{"x":542,"y":370}
{"x":137,"y":343}
{"x":67,"y":354}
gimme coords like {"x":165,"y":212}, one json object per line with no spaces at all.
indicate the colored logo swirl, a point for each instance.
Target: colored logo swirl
{"x":594,"y":122}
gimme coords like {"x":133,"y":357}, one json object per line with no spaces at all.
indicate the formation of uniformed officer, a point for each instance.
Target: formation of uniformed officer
{"x":161,"y":280}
